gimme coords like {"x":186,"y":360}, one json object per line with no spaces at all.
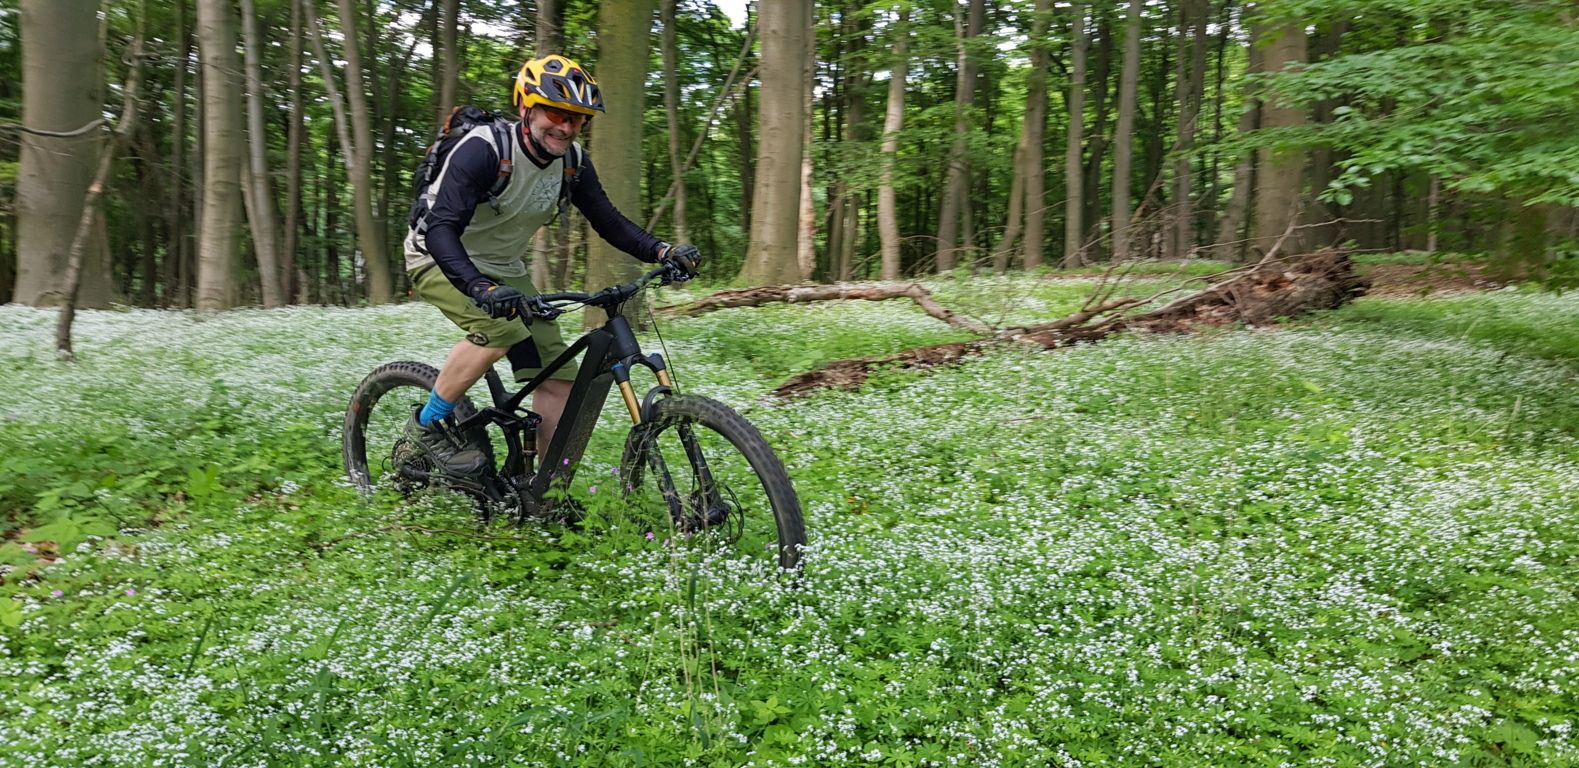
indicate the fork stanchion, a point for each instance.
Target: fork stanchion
{"x":622,"y":376}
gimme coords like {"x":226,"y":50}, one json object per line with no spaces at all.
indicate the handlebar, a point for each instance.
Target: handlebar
{"x":548,"y":306}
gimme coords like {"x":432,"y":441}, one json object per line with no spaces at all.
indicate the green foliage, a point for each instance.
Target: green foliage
{"x":1342,"y":541}
{"x":1479,"y":93}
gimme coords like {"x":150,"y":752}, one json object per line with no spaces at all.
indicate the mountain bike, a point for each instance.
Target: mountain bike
{"x":693,"y":460}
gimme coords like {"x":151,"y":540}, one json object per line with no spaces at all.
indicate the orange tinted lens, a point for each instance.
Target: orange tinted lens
{"x":561,"y":117}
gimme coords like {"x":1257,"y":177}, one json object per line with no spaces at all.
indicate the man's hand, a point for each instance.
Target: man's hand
{"x":685,"y":257}
{"x":499,"y":301}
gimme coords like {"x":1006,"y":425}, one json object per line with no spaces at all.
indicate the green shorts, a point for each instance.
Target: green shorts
{"x":529,"y":350}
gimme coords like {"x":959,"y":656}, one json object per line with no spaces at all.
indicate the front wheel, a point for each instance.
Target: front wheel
{"x":721,"y":488}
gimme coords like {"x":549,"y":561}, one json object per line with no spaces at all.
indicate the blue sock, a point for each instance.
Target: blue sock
{"x":437,"y":408}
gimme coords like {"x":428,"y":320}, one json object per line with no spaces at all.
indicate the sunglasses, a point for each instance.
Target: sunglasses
{"x":564,"y":117}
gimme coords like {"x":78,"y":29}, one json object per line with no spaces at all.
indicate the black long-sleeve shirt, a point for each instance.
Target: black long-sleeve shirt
{"x":471,"y":170}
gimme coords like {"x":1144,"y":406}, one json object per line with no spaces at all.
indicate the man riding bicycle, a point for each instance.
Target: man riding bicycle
{"x":464,"y":254}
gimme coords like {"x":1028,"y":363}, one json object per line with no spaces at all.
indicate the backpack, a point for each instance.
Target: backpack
{"x":460,"y":123}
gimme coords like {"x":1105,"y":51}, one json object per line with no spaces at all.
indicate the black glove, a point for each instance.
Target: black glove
{"x":499,"y":301}
{"x":684,"y":257}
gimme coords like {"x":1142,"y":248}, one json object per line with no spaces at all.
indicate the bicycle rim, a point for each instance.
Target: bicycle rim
{"x":707,"y":484}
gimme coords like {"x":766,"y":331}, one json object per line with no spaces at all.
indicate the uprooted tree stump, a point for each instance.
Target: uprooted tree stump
{"x":1257,"y":295}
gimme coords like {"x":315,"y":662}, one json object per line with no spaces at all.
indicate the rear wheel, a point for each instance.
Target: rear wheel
{"x":375,"y":424}
{"x":702,"y":472}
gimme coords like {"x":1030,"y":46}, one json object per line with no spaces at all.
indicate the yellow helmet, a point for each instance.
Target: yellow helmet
{"x":556,"y":81}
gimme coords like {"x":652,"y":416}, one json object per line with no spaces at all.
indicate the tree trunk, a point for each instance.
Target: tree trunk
{"x":1036,"y":133}
{"x":1011,"y":227}
{"x":1192,"y":65}
{"x":54,"y":171}
{"x":1091,"y":215}
{"x":856,"y":79}
{"x":548,"y":26}
{"x":1124,"y":133}
{"x":369,"y":232}
{"x":177,"y":245}
{"x":770,"y":257}
{"x":1282,"y":171}
{"x":1232,"y":238}
{"x":1433,"y":210}
{"x":1073,"y":230}
{"x":1259,"y":296}
{"x":265,"y":222}
{"x":222,"y":156}
{"x":447,"y":59}
{"x":957,"y":179}
{"x":624,"y":30}
{"x":744,"y":125}
{"x":544,"y":244}
{"x":333,"y":287}
{"x":198,"y":161}
{"x":806,"y":224}
{"x":148,"y":218}
{"x":893,"y":122}
{"x":671,"y":104}
{"x":293,"y":160}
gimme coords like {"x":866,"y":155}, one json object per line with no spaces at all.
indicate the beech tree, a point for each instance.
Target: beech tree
{"x":624,"y":30}
{"x":221,"y":154}
{"x":770,"y":255}
{"x":60,"y":148}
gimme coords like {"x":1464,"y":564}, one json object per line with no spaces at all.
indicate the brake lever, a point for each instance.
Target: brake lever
{"x":674,"y":275}
{"x":542,"y":310}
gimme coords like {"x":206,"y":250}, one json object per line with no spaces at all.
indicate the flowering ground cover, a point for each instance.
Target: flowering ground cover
{"x":1350,"y":540}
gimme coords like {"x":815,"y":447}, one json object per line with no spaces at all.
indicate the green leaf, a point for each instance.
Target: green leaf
{"x":65,"y":532}
{"x":10,"y":613}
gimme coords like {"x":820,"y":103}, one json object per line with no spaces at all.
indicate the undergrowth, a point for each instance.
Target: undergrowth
{"x":1348,"y":540}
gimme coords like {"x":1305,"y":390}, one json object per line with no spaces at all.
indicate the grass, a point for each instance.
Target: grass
{"x":1345,"y":541}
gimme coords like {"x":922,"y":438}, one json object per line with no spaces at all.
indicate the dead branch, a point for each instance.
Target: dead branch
{"x":800,"y":294}
{"x":1256,"y":295}
{"x":90,"y":203}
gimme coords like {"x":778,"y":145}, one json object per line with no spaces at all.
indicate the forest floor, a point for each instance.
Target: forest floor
{"x":1346,"y":540}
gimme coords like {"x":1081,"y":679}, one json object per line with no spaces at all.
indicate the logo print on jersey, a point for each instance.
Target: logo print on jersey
{"x":544,"y":194}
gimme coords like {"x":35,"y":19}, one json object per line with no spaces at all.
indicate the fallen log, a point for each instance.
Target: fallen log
{"x":798,"y":294}
{"x":1258,"y":295}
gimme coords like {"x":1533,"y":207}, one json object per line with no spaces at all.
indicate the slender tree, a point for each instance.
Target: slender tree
{"x":893,"y":122}
{"x":1123,"y":135}
{"x":1073,"y":233}
{"x":1191,"y":69}
{"x":1231,"y":230}
{"x":178,"y":244}
{"x":1036,"y":132}
{"x":671,"y":105}
{"x":447,"y":58}
{"x":293,"y":159}
{"x":957,"y":175}
{"x":261,"y":211}
{"x":369,"y":232}
{"x":770,"y":256}
{"x":124,"y":130}
{"x":624,"y":32}
{"x":222,"y":156}
{"x":548,"y":26}
{"x":806,"y":220}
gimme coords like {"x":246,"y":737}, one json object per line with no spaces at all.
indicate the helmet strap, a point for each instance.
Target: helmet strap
{"x":538,"y":149}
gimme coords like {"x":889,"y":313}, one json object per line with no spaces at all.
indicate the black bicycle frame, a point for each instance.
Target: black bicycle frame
{"x":610,"y":351}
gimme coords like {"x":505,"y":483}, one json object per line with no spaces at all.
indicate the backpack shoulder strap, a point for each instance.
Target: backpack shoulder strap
{"x":503,"y":135}
{"x":572,"y":162}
